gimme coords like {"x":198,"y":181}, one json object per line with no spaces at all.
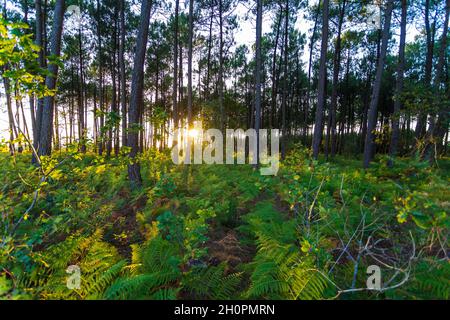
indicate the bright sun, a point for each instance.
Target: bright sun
{"x":194,"y":133}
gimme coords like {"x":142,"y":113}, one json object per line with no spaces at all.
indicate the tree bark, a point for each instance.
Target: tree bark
{"x":311,"y":48}
{"x":191,"y":36}
{"x":421,"y":125}
{"x":208,"y":64}
{"x":41,"y":61}
{"x":393,"y":147}
{"x":137,"y":87}
{"x":81,"y":106}
{"x":123,"y":87}
{"x":45,"y":139}
{"x":438,"y":129}
{"x":175,"y":68}
{"x":12,"y":126}
{"x":100,"y":80}
{"x":331,"y":129}
{"x":221,"y":84}
{"x":373,"y":109}
{"x":285,"y":81}
{"x":322,"y":83}
{"x":274,"y":75}
{"x":258,"y":75}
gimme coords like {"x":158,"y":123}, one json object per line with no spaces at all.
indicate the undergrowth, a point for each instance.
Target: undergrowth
{"x":309,"y":233}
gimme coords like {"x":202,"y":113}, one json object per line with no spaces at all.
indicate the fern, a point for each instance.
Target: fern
{"x":155,"y":274}
{"x":430,"y":281}
{"x":279,"y":269}
{"x":98,"y":261}
{"x":282,"y":274}
{"x":97,"y":284}
{"x":160,"y":255}
{"x":137,"y":287}
{"x":158,"y":270}
{"x":211,"y":283}
{"x":436,"y":282}
{"x":165,"y":294}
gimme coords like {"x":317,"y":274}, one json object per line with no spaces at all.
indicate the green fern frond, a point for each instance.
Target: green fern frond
{"x":431,"y":281}
{"x":280,"y":271}
{"x":138,"y":287}
{"x":211,"y":283}
{"x":98,"y":261}
{"x":165,"y":294}
{"x":100,"y":282}
{"x":159,"y":255}
{"x":157,"y":264}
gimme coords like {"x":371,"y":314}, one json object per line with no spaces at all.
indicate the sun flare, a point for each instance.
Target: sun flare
{"x":194,"y":133}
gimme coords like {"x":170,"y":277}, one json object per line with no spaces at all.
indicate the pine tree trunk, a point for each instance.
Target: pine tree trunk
{"x":123,"y":87}
{"x":318,"y":124}
{"x":274,"y":71}
{"x":421,"y":125}
{"x":137,"y":88}
{"x":45,"y":139}
{"x":285,"y":81}
{"x":191,"y":36}
{"x":439,"y":127}
{"x":393,"y":148}
{"x":41,"y":61}
{"x":81,"y":106}
{"x":12,"y":126}
{"x":208,"y":64}
{"x":331,"y":136}
{"x":311,"y":49}
{"x":100,"y":81}
{"x":373,"y":109}
{"x":221,"y":84}
{"x":175,"y":69}
{"x":114,"y":77}
{"x":57,"y":140}
{"x":258,"y":74}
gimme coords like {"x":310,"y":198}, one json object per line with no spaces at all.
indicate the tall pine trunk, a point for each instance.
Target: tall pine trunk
{"x":285,"y":81}
{"x":221,"y":84}
{"x":100,"y":81}
{"x":311,"y":49}
{"x":318,"y":124}
{"x":258,"y":74}
{"x":81,"y":93}
{"x":373,"y":109}
{"x":208,"y":59}
{"x":123,"y":80}
{"x":46,"y":130}
{"x":11,"y":123}
{"x":191,"y":36}
{"x":137,"y":98}
{"x":175,"y":69}
{"x":39,"y":30}
{"x":393,"y":148}
{"x":273,"y":102}
{"x":331,"y":129}
{"x":439,"y":127}
{"x":421,"y":125}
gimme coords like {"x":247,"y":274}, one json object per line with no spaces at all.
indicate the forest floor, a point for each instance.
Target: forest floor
{"x":220,"y":231}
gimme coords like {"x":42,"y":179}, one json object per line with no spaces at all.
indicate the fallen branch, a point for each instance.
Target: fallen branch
{"x":406,"y":272}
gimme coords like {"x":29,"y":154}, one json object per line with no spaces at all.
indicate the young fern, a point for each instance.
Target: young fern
{"x":279,"y":269}
{"x":157,"y":271}
{"x":431,"y":281}
{"x":98,"y":261}
{"x":165,"y":294}
{"x":211,"y":283}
